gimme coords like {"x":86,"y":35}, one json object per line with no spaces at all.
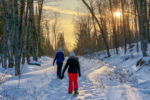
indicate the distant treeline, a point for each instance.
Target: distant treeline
{"x":103,"y":30}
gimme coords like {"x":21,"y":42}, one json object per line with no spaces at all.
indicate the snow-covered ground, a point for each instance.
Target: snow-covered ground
{"x":114,"y":78}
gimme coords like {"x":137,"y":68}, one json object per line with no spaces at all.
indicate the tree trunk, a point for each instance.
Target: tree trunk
{"x":135,"y":21}
{"x":5,"y":35}
{"x":148,"y":25}
{"x":40,"y":5}
{"x":142,"y":26}
{"x":100,"y":27}
{"x":113,"y":25}
{"x":16,"y":38}
{"x":124,"y":25}
{"x":24,"y":39}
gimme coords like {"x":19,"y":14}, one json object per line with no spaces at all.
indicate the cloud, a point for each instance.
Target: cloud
{"x":65,"y":11}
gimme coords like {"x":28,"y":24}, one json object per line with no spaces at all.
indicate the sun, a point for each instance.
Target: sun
{"x":117,"y":14}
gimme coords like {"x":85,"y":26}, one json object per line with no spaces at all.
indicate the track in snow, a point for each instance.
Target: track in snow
{"x":40,"y":83}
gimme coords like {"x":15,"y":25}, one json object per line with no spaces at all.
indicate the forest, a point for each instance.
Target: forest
{"x":104,"y":45}
{"x":110,"y":24}
{"x":113,"y":24}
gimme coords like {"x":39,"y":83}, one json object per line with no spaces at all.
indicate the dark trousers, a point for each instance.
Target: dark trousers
{"x":59,"y":67}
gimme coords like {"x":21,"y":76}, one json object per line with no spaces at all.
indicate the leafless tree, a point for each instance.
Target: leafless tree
{"x":99,"y":25}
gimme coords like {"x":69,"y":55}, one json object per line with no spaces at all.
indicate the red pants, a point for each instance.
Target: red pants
{"x":73,"y":81}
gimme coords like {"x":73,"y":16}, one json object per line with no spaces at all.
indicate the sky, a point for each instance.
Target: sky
{"x":67,"y":9}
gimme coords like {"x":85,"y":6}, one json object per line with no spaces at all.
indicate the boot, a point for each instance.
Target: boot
{"x":76,"y":92}
{"x":69,"y":92}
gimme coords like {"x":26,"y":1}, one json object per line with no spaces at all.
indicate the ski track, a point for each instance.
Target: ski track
{"x":49,"y":87}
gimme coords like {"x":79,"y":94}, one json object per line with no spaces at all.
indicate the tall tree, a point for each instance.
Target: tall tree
{"x":114,"y":26}
{"x":40,"y":5}
{"x":83,"y":35}
{"x":61,"y":43}
{"x":99,"y":25}
{"x":136,"y":26}
{"x":21,"y":32}
{"x":142,"y":25}
{"x":123,"y":2}
{"x":17,"y":36}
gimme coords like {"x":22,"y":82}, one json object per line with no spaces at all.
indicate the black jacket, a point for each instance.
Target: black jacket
{"x":73,"y":64}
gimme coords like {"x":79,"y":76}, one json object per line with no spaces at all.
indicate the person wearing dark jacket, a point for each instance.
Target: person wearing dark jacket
{"x":73,"y":72}
{"x":59,"y":58}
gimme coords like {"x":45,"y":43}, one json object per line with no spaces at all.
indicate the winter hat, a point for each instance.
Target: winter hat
{"x":60,"y":50}
{"x":72,"y":54}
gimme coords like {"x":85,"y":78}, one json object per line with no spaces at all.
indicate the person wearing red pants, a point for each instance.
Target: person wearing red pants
{"x":73,"y":72}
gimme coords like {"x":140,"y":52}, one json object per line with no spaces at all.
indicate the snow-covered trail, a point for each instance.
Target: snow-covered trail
{"x":94,"y":87}
{"x":40,"y":83}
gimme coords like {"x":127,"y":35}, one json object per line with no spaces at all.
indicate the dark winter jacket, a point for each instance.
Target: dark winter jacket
{"x":59,"y":58}
{"x":74,"y":66}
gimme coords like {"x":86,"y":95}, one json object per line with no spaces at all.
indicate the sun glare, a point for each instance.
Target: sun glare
{"x":117,"y":14}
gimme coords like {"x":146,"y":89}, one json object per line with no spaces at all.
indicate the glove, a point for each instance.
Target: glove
{"x":79,"y":74}
{"x":62,"y":76}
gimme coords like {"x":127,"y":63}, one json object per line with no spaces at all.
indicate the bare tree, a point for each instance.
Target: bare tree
{"x":114,"y":26}
{"x":55,"y":30}
{"x":142,"y":25}
{"x":40,"y":5}
{"x":83,"y":34}
{"x":20,"y":32}
{"x":17,"y":36}
{"x":123,"y":2}
{"x":136,"y":26}
{"x":99,"y":25}
{"x":61,"y":43}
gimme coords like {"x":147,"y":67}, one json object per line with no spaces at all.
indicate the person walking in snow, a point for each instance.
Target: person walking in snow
{"x":73,"y":72}
{"x":59,"y":58}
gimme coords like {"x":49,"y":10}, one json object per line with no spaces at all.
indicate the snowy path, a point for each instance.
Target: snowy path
{"x":94,"y":88}
{"x":40,"y":83}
